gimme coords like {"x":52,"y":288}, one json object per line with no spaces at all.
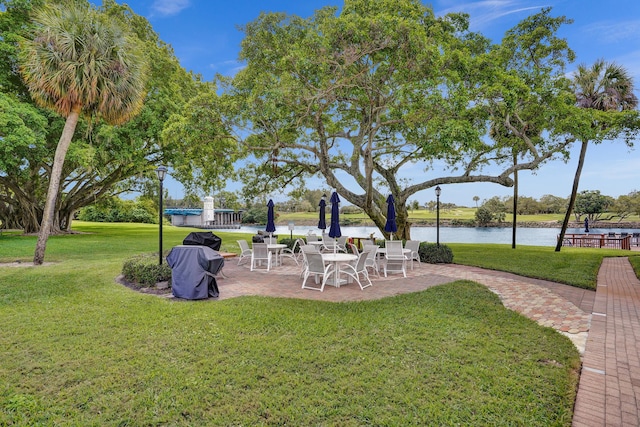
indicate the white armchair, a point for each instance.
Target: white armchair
{"x":245,"y":251}
{"x":259,"y":254}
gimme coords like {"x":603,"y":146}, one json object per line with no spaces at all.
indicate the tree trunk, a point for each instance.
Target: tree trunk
{"x":574,"y":193}
{"x":515,"y":202}
{"x":403,"y":224}
{"x":54,"y":184}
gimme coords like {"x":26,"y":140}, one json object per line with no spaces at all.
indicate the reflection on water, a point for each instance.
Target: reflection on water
{"x":524,"y":236}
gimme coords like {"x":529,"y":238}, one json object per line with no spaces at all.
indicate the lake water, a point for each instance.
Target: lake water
{"x":524,"y":236}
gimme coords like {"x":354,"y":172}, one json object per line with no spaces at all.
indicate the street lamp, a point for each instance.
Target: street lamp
{"x":438,"y":191}
{"x":161,"y":172}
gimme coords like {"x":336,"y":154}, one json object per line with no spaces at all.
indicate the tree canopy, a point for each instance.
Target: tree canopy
{"x":74,"y":61}
{"x":607,"y":106}
{"x":103,"y":159}
{"x":384,"y":89}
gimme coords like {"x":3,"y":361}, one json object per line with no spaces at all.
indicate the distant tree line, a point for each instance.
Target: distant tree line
{"x":589,"y":204}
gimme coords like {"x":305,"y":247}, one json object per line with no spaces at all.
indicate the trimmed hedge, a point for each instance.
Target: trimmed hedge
{"x":289,"y":242}
{"x":434,"y":254}
{"x":144,"y":270}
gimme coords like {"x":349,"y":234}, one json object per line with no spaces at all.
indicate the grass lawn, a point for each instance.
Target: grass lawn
{"x":79,"y":349}
{"x":573,"y":266}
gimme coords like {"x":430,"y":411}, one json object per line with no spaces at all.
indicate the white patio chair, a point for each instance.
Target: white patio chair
{"x":396,"y":261}
{"x":414,"y":245}
{"x":342,"y":243}
{"x":353,"y":248}
{"x":270,"y":240}
{"x":291,"y":253}
{"x":368,"y":243}
{"x":259,"y":253}
{"x":329,"y":244}
{"x":304,"y":249}
{"x":357,"y":268}
{"x":316,"y":267}
{"x":372,"y":258}
{"x":245,"y":251}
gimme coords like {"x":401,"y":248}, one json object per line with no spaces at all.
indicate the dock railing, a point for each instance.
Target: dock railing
{"x":598,"y":241}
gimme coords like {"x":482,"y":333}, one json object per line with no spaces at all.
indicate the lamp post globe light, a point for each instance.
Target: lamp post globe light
{"x":161,"y":172}
{"x":438,"y":192}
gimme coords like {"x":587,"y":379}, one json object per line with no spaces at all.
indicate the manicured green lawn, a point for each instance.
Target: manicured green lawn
{"x":573,"y":266}
{"x":79,"y":349}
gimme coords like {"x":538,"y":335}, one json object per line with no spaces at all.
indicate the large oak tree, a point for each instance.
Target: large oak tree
{"x":384,"y":89}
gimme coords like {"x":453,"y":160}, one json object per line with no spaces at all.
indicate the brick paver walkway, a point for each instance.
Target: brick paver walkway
{"x":609,"y":386}
{"x":609,"y":390}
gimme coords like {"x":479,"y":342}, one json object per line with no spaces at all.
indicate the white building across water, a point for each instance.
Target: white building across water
{"x":207,"y":217}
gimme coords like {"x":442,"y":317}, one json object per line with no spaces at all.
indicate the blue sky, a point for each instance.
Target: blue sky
{"x":205,"y":38}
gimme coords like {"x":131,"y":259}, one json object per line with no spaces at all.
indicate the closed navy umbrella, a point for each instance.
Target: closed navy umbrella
{"x":271,"y":225}
{"x":322,"y":222}
{"x":390,"y":226}
{"x":334,"y":230}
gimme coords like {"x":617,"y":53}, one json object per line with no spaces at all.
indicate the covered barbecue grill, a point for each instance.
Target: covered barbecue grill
{"x":203,"y":238}
{"x":193,"y":270}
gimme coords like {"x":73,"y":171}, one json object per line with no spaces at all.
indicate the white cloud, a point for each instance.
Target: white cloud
{"x":169,"y":7}
{"x":482,"y":13}
{"x":614,"y":32}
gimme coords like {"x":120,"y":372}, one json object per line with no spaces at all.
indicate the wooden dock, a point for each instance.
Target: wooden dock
{"x":609,"y":241}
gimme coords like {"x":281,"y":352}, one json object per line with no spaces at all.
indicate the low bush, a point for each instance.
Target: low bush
{"x":287,"y":241}
{"x":117,"y":210}
{"x":144,"y":270}
{"x":463,"y":222}
{"x":484,"y":216}
{"x":434,"y":254}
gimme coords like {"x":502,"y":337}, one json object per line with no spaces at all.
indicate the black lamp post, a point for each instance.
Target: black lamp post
{"x":438,"y":191}
{"x":161,"y":172}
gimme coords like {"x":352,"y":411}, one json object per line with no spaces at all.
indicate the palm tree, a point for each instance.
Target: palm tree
{"x":475,"y":199}
{"x":605,"y":87}
{"x":78,"y":61}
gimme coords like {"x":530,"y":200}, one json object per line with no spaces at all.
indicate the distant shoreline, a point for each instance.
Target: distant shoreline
{"x":462,"y":224}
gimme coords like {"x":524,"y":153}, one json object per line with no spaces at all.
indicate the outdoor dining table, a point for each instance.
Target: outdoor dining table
{"x":276,"y":248}
{"x":337,"y":258}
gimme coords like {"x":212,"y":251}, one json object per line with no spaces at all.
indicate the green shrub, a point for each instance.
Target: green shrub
{"x":144,"y":270}
{"x":350,"y":221}
{"x":351,"y":209}
{"x":483,"y":216}
{"x":255,"y":215}
{"x":457,"y":222}
{"x":115,"y":209}
{"x":434,"y":254}
{"x":287,"y":241}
